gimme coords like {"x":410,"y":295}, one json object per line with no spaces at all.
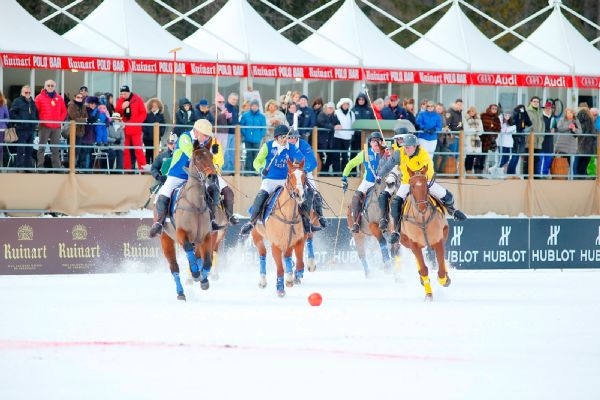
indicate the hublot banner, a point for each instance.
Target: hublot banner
{"x":89,"y":245}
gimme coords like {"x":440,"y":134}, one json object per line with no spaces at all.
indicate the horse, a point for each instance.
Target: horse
{"x":283,"y":228}
{"x":191,"y":226}
{"x":424,"y":224}
{"x":369,"y":226}
{"x":222,"y":219}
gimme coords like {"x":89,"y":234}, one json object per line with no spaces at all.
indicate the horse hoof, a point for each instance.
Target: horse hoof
{"x":281,"y":293}
{"x":445,"y":282}
{"x":214,"y":276}
{"x":204,"y":285}
{"x":262,"y":282}
{"x":312,"y":265}
{"x":181,"y":297}
{"x":289,"y":280}
{"x":428,"y":297}
{"x":196,"y":276}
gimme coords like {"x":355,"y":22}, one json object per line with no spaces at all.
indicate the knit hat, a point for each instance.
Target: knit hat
{"x":254,"y":102}
{"x":303,"y":97}
{"x":92,"y":100}
{"x":125,"y":88}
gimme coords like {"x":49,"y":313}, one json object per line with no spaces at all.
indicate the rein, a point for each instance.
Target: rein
{"x":295,"y":215}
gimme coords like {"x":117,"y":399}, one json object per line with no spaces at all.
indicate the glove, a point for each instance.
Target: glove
{"x":264,"y":171}
{"x":117,"y":142}
{"x":344,"y":183}
{"x":214,"y":148}
{"x":162,"y":178}
{"x":378,"y":180}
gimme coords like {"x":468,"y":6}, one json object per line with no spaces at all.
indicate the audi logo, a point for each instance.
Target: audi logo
{"x":534,"y":80}
{"x":485,"y":79}
{"x":589,"y":81}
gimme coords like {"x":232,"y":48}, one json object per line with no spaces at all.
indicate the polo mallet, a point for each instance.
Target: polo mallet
{"x":337,"y":232}
{"x":366,"y":89}
{"x":153,"y":190}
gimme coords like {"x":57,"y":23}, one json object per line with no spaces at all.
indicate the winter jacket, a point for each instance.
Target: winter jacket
{"x":24,"y":109}
{"x":135,"y":113}
{"x":430,"y":123}
{"x":78,"y":113}
{"x":253,"y":126}
{"x":393,"y":113}
{"x":184,"y":119}
{"x":586,"y":141}
{"x":536,"y":115}
{"x":152,"y":118}
{"x":363,"y":111}
{"x":566,"y":142}
{"x":51,"y":107}
{"x":491,"y":123}
{"x":326,"y":124}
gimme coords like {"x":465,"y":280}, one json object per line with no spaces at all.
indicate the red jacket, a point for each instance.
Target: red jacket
{"x":51,"y":109}
{"x":137,"y":114}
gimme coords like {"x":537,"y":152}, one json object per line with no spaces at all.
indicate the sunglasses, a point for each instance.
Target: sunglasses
{"x":26,"y":92}
{"x":50,"y":85}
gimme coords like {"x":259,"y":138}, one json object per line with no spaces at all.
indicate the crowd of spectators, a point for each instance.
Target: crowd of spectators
{"x":495,"y":143}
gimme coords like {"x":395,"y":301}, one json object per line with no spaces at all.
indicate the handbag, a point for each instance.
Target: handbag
{"x":10,"y":135}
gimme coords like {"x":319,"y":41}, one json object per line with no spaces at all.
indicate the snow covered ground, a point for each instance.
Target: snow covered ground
{"x":515,"y":334}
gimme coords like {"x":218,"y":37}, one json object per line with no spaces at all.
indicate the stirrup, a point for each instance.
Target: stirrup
{"x":459,"y":215}
{"x":155,"y":229}
{"x":233,"y":220}
{"x":215,"y":226}
{"x":323,"y":222}
{"x":394,"y":237}
{"x":248,"y":226}
{"x":355,"y":228}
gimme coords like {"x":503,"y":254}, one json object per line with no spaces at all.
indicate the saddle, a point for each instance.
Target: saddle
{"x":435,"y":203}
{"x":267,"y":208}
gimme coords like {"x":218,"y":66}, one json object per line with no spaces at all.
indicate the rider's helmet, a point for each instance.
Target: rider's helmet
{"x":376,"y":135}
{"x":172,"y":138}
{"x":293,"y":134}
{"x":204,"y":127}
{"x":400,"y":132}
{"x":280,"y":130}
{"x":410,"y":140}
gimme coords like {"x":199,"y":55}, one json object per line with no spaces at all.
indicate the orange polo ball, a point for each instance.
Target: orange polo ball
{"x":315,"y":299}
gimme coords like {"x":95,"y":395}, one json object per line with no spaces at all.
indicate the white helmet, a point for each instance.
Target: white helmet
{"x":204,"y":127}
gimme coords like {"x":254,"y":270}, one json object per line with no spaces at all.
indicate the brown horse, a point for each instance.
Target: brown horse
{"x":285,"y":232}
{"x":192,"y":227}
{"x":369,"y":226}
{"x":423,"y":225}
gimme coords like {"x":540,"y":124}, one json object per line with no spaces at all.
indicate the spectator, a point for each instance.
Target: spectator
{"x":522,"y":124}
{"x":154,"y":114}
{"x":292,"y":108}
{"x":430,"y":123}
{"x":253,"y":124}
{"x":77,"y":112}
{"x":491,"y":126}
{"x":105,"y":119}
{"x":219,"y":111}
{"x":184,"y":117}
{"x":244,"y":107}
{"x":544,"y":159}
{"x":537,"y":127}
{"x":24,"y":108}
{"x":109,"y":102}
{"x":393,"y":110}
{"x":203,"y":112}
{"x":160,"y":165}
{"x":274,"y":118}
{"x":89,"y":136}
{"x":51,"y":107}
{"x":342,"y":136}
{"x":232,"y":116}
{"x":378,"y":105}
{"x":306,"y":120}
{"x":131,"y":107}
{"x":473,"y":128}
{"x":116,"y":138}
{"x":568,"y":128}
{"x":317,"y":106}
{"x":586,"y":142}
{"x":505,"y":143}
{"x":362,"y":110}
{"x":4,"y":114}
{"x":454,"y":119}
{"x":328,"y":123}
{"x":409,"y":106}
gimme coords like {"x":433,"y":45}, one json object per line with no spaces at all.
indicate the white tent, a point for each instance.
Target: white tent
{"x":122,"y":28}
{"x":456,"y":43}
{"x":566,"y":50}
{"x":253,"y":38}
{"x":23,"y":34}
{"x":350,"y":37}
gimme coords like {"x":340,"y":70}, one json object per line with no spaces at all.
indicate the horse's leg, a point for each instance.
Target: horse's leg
{"x":214,"y":271}
{"x":168,"y":248}
{"x":312,"y":265}
{"x":205,"y":252}
{"x":359,"y":241}
{"x":423,"y":271}
{"x":277,"y":257}
{"x":289,"y":267}
{"x":443,"y":278}
{"x":385,"y":254}
{"x":259,"y":243}
{"x":299,"y":252}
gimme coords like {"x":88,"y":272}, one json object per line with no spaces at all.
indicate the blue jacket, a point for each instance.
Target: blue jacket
{"x":306,"y":152}
{"x":234,"y":110}
{"x":277,"y":163}
{"x":394,"y":113}
{"x":257,"y":126}
{"x":430,"y":123}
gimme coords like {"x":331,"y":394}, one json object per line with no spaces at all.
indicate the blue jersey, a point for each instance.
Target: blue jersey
{"x":306,"y":152}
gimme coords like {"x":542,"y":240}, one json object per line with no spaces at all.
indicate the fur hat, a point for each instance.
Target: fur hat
{"x":344,"y":100}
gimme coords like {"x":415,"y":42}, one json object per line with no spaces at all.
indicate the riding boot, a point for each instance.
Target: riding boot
{"x":228,"y":204}
{"x":160,"y":213}
{"x":396,"y":211}
{"x":257,"y":206}
{"x":213,"y":201}
{"x":357,"y":201}
{"x":448,"y":201}
{"x":318,"y":207}
{"x":305,"y":209}
{"x":384,"y":201}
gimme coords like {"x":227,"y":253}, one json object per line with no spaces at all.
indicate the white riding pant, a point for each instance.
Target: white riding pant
{"x":269,"y":185}
{"x":311,"y":180}
{"x":167,"y":188}
{"x":222,"y":183}
{"x":436,"y":190}
{"x":364,"y":186}
{"x":428,"y":145}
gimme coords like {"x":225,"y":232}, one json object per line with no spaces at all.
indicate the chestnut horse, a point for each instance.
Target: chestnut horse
{"x":369,"y":226}
{"x":284,"y":230}
{"x":192,"y":227}
{"x":424,"y":225}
